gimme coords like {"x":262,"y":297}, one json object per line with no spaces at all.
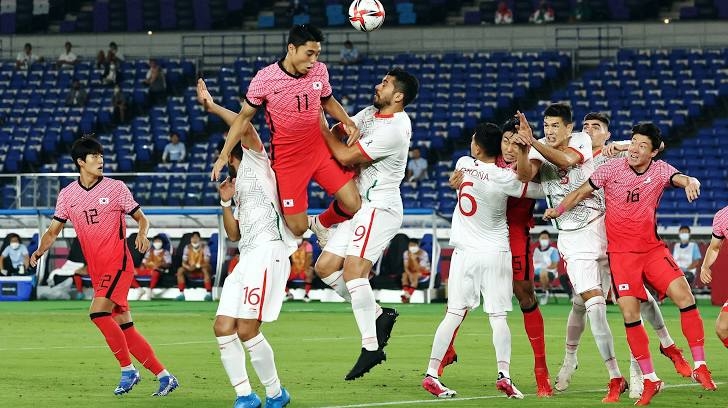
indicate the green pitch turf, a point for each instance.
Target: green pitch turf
{"x":51,"y":355}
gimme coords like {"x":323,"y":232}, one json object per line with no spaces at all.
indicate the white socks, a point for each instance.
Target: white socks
{"x":650,"y":311}
{"x":596,"y":309}
{"x":501,"y":342}
{"x":261,"y":357}
{"x":364,"y":306}
{"x":443,"y":337}
{"x":233,"y":359}
{"x":336,"y":282}
{"x":575,"y":325}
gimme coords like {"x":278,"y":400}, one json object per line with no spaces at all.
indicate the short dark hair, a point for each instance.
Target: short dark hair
{"x":113,"y":45}
{"x":83,"y":147}
{"x":68,"y":43}
{"x":510,"y":125}
{"x":682,"y":227}
{"x":544,"y":232}
{"x":196,"y":233}
{"x":302,"y":33}
{"x":406,"y":83}
{"x":600,"y":116}
{"x":158,"y":237}
{"x":559,"y":110}
{"x":27,"y":45}
{"x":13,"y":235}
{"x":488,"y":136}
{"x":237,"y":151}
{"x":414,"y":241}
{"x":650,"y":130}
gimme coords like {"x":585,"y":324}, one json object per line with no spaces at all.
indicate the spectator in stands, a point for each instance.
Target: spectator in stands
{"x":349,"y":55}
{"x":545,"y":264}
{"x":14,"y":258}
{"x":298,"y":7}
{"x":76,"y":95}
{"x":156,"y":261}
{"x":156,"y":82}
{"x":26,"y":58}
{"x":503,"y":15}
{"x":118,"y":102}
{"x":301,"y":268}
{"x":67,"y":59}
{"x":195,"y":263}
{"x":687,"y":254}
{"x":175,"y":150}
{"x":417,"y":166}
{"x":416,"y":265}
{"x":544,"y":13}
{"x":114,"y":52}
{"x":580,"y":12}
{"x":111,"y":71}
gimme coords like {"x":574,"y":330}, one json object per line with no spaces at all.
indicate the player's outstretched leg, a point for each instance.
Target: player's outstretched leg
{"x":596,"y":309}
{"x":442,"y":345}
{"x":692,"y":328}
{"x":635,"y":378}
{"x":650,"y":311}
{"x":385,"y":323}
{"x":639,"y":345}
{"x":364,"y":307}
{"x":502,"y":345}
{"x":533,"y":322}
{"x":143,"y":352}
{"x":575,"y":325}
{"x":721,"y":325}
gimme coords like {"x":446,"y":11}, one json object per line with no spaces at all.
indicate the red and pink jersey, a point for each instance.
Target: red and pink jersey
{"x":720,"y":223}
{"x":631,"y":203}
{"x":98,"y":215}
{"x":292,"y":104}
{"x":519,"y":216}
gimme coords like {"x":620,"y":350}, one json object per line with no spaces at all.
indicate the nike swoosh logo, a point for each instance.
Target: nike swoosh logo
{"x":276,"y":92}
{"x":73,"y":205}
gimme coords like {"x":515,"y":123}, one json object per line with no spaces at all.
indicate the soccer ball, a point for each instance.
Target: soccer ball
{"x":366,"y":15}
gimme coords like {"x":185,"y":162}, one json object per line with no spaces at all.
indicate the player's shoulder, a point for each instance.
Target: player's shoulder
{"x":721,"y":215}
{"x":580,"y":140}
{"x":319,"y":68}
{"x":465,"y":162}
{"x":269,"y":71}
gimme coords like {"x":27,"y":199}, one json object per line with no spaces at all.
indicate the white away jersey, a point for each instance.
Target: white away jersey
{"x":257,"y":209}
{"x":558,"y":183}
{"x":479,"y":218}
{"x":599,"y":159}
{"x":385,"y":139}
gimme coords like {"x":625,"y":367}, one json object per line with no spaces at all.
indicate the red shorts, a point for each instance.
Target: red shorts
{"x":145,"y":271}
{"x":631,"y":271}
{"x":522,"y":261}
{"x":297,"y":275}
{"x":295,"y":171}
{"x":113,"y":286}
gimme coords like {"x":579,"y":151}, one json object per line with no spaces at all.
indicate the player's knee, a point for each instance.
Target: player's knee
{"x":247,"y":329}
{"x":224,"y":327}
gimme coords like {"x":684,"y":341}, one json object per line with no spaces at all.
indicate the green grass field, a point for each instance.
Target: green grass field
{"x":52,"y":356}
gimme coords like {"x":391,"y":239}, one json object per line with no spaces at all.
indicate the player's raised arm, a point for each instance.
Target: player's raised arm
{"x":690,"y":184}
{"x":570,"y":201}
{"x":48,"y":238}
{"x":142,"y":242}
{"x":711,"y":254}
{"x":334,"y":108}
{"x":242,"y":121}
{"x":250,"y":138}
{"x":347,"y":155}
{"x":523,"y":166}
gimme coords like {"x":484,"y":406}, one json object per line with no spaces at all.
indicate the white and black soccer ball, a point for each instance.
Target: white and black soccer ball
{"x":366,"y":15}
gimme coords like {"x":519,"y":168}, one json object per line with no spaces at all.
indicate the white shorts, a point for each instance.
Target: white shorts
{"x":585,"y":256}
{"x":367,"y":234}
{"x":473,"y":274}
{"x":256,"y":287}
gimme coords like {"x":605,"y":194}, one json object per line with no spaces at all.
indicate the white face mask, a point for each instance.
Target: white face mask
{"x":414,"y":249}
{"x":157,"y":245}
{"x":195,"y":245}
{"x":684,"y":236}
{"x":15,"y":245}
{"x":545,"y":243}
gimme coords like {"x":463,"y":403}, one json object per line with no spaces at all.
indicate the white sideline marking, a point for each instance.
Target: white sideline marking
{"x":211,"y":341}
{"x":484,"y":397}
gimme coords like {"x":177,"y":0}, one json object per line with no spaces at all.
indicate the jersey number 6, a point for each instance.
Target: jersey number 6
{"x":463,"y":195}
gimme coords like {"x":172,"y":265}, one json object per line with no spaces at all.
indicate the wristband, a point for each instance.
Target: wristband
{"x":227,"y":203}
{"x":560,"y":209}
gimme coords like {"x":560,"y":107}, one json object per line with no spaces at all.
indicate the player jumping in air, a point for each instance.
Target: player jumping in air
{"x":292,"y":91}
{"x":632,"y":190}
{"x":97,"y":206}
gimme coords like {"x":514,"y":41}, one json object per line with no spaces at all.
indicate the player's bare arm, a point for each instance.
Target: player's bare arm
{"x":250,"y":138}
{"x":562,"y":158}
{"x":711,"y":254}
{"x":242,"y":121}
{"x":227,"y":190}
{"x":569,"y":202}
{"x":334,"y":108}
{"x":456,"y":179}
{"x":690,"y":184}
{"x":347,"y":155}
{"x":48,"y":238}
{"x":524,"y":131}
{"x":142,"y":242}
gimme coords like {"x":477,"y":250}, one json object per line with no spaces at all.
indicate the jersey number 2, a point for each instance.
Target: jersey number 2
{"x":462,"y":195}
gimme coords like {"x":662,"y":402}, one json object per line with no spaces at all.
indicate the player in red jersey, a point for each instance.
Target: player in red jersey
{"x":633,"y":187}
{"x":292,"y":91}
{"x":720,"y":228}
{"x":519,"y":216}
{"x":97,"y":206}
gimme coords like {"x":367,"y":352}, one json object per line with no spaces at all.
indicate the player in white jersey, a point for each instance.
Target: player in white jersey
{"x":481,"y":262}
{"x":564,"y":161}
{"x":596,"y":125}
{"x":381,"y":156}
{"x":253,"y":293}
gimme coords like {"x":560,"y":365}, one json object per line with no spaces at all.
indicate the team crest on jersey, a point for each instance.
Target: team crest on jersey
{"x":288,"y":203}
{"x":103,"y":200}
{"x":623,"y":286}
{"x":648,"y":180}
{"x":317,"y":85}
